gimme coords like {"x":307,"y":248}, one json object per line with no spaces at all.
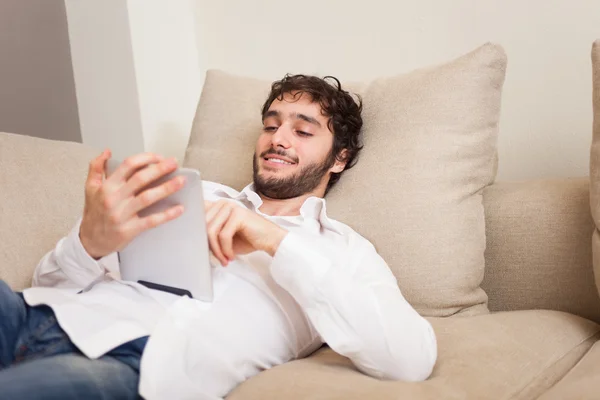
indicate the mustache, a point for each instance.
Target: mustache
{"x":278,"y":152}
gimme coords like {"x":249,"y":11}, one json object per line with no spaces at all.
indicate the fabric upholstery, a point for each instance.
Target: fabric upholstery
{"x":430,"y":149}
{"x":41,"y":197}
{"x":581,"y":382}
{"x":512,"y":355}
{"x":595,"y":160}
{"x":539,"y":251}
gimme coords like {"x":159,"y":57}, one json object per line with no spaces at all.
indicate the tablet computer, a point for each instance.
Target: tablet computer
{"x":172,"y":257}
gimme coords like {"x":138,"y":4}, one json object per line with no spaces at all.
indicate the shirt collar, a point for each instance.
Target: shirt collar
{"x":313,"y":207}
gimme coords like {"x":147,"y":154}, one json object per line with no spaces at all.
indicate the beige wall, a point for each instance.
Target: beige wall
{"x":37,"y":90}
{"x":546,"y":115}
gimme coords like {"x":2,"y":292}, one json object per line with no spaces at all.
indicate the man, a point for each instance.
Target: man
{"x":290,"y":278}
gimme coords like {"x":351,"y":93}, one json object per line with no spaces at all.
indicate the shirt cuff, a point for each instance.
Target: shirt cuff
{"x":72,"y":255}
{"x":297,"y":268}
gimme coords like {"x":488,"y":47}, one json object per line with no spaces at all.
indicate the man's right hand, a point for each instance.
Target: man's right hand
{"x":110,"y":220}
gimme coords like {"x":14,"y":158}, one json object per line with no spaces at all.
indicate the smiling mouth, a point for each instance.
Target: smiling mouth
{"x":277,"y":161}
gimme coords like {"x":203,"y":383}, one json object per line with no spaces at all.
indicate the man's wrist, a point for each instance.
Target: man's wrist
{"x":277,"y":237}
{"x":86,"y":246}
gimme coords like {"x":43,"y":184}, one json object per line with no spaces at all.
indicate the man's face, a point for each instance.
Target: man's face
{"x":294,"y":152}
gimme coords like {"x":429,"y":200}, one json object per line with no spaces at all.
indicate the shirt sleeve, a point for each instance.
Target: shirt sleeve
{"x":69,"y":266}
{"x":354,"y":303}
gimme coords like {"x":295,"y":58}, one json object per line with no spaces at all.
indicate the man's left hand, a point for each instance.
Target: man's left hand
{"x":236,"y":230}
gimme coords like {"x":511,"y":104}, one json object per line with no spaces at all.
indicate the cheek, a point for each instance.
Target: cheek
{"x":316,"y":152}
{"x":261,"y":144}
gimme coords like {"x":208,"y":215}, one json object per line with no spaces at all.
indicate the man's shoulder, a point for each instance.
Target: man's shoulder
{"x":351,"y":236}
{"x":343,"y":242}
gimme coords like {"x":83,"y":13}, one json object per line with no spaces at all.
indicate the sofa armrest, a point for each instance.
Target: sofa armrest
{"x":539,"y":247}
{"x":41,"y":198}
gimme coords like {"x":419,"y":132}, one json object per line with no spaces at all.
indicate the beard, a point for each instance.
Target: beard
{"x":303,"y":181}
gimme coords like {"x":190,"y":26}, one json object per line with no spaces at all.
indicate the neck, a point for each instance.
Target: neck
{"x":287,"y":207}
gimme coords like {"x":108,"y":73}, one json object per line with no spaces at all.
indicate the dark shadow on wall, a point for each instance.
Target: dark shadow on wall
{"x":37,"y":87}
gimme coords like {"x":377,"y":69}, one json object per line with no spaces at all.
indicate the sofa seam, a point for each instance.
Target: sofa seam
{"x":596,"y":334}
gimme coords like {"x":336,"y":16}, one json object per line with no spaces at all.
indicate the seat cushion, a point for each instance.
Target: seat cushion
{"x":582,"y":382}
{"x":430,"y":149}
{"x":508,"y":355}
{"x":41,"y":197}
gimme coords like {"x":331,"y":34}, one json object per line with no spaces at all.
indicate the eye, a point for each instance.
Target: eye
{"x":305,"y":134}
{"x":270,"y":128}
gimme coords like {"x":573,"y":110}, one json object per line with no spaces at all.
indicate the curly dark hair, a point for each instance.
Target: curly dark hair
{"x":338,"y":105}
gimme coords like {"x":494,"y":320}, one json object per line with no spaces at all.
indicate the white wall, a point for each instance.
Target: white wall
{"x":105,"y":77}
{"x":136,"y":73}
{"x":168,"y":77}
{"x":139,"y":64}
{"x":546,"y":115}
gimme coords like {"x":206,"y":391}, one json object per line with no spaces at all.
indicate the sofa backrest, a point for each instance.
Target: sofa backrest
{"x":538,"y":233}
{"x":41,"y":197}
{"x":538,"y":254}
{"x":595,"y":160}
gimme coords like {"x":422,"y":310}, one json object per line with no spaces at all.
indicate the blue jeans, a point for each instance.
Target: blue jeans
{"x":39,"y":361}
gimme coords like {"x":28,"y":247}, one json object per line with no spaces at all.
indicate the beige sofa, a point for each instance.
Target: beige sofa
{"x":538,"y":257}
{"x":539,"y":338}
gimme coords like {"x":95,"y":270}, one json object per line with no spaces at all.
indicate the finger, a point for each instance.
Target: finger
{"x":145,"y":176}
{"x":226,"y":236}
{"x":151,"y":196}
{"x":214,"y":210}
{"x":139,"y":225}
{"x":96,"y":167}
{"x":131,"y":164}
{"x":214,"y":230}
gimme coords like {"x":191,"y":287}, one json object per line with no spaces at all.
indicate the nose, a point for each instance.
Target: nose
{"x":281,"y":138}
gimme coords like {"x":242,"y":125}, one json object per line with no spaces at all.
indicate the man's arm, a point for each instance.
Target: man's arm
{"x":68,"y":265}
{"x":357,"y":308}
{"x":352,"y":299}
{"x":110,"y":219}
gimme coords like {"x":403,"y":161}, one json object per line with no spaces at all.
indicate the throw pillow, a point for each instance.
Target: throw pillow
{"x":416,"y":192}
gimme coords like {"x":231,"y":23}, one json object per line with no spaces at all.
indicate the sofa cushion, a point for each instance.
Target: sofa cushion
{"x":430,"y":149}
{"x":511,"y":355}
{"x":595,"y":161}
{"x":539,"y":252}
{"x":41,"y":197}
{"x":581,"y":382}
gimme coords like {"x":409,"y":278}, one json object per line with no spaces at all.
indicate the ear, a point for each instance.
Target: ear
{"x":339,"y":166}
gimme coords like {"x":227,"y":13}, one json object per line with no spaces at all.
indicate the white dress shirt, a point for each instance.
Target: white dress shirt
{"x":326,"y":283}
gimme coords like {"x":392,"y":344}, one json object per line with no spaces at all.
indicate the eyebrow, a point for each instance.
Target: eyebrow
{"x":308,"y":119}
{"x":303,"y":117}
